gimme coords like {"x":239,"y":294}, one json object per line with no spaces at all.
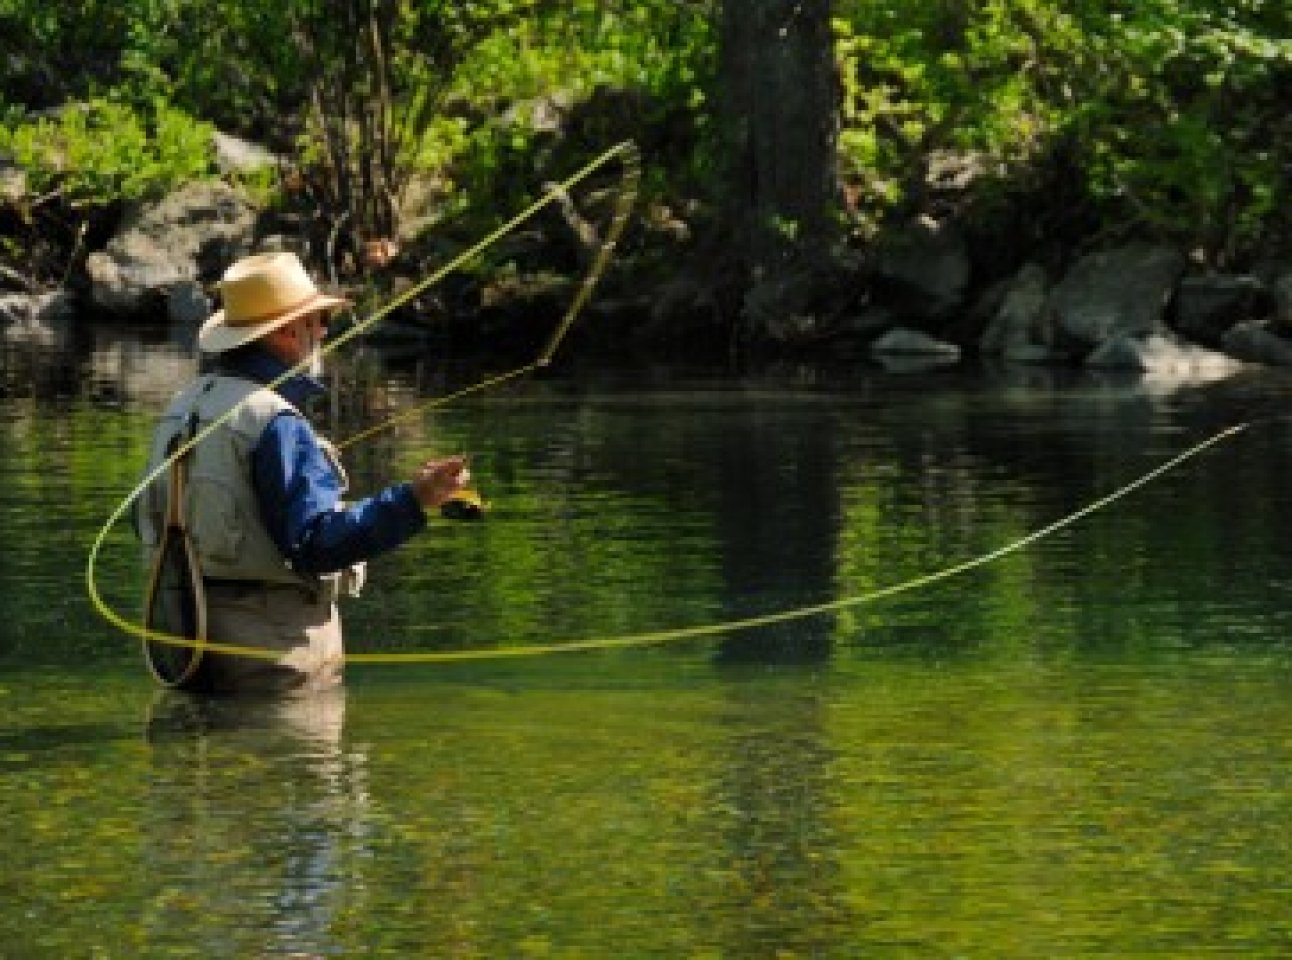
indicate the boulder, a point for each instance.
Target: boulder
{"x":1021,"y":331}
{"x":39,"y":319}
{"x":1206,"y":307}
{"x":913,"y":342}
{"x":1257,"y":344}
{"x":910,"y":351}
{"x":185,"y":237}
{"x":1122,"y":292}
{"x":1281,"y":288}
{"x":923,"y":270}
{"x":187,"y":305}
{"x":1162,"y":356}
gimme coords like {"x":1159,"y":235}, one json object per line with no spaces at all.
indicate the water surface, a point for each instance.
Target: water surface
{"x":1081,"y":749}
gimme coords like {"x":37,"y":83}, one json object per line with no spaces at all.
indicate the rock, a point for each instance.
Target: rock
{"x":903,"y":350}
{"x":1036,"y":353}
{"x":1282,"y":291}
{"x":913,"y":342}
{"x":925,"y":270}
{"x":192,"y":232}
{"x":41,"y":319}
{"x":1164,"y":357}
{"x":1021,"y":330}
{"x":281,"y":243}
{"x":1206,"y":307}
{"x":869,"y":321}
{"x":1253,"y":342}
{"x":1121,"y":292}
{"x":912,"y":363}
{"x":187,"y":305}
{"x":234,"y":155}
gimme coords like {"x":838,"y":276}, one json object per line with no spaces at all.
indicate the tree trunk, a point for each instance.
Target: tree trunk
{"x":779,"y":116}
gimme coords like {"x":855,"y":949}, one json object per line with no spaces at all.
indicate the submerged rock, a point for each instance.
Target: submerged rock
{"x":1163,"y":357}
{"x":903,"y":342}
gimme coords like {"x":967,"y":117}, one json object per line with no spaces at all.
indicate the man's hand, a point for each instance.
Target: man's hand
{"x":437,"y":480}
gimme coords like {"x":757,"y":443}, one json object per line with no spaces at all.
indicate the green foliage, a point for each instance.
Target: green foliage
{"x":525,"y":77}
{"x":1170,"y":111}
{"x":1193,"y":139}
{"x":1162,"y":116}
{"x":104,"y":150}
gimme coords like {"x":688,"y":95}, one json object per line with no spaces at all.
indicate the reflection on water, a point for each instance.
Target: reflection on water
{"x":1079,"y":750}
{"x":254,"y":818}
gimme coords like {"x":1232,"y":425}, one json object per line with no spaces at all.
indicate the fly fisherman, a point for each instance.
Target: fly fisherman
{"x":274,"y":544}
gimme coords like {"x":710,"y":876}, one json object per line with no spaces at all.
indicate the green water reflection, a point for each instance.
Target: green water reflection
{"x":889,"y":810}
{"x":1080,"y":751}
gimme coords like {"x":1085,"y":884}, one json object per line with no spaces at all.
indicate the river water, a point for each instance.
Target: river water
{"x":1081,"y":749}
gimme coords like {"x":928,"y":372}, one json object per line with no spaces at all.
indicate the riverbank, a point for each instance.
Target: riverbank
{"x":912,"y":295}
{"x":1037,"y":184}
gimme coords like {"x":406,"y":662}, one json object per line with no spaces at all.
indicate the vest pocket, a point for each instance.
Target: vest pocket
{"x":212,"y":512}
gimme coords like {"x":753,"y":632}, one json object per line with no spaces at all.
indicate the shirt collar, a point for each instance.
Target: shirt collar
{"x":254,"y":362}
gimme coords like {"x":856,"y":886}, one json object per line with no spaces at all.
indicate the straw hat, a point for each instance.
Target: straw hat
{"x":261,"y":293}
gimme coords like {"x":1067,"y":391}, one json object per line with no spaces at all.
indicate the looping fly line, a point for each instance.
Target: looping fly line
{"x":629,"y":159}
{"x":658,"y":637}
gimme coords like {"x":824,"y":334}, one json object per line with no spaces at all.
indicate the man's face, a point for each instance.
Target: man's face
{"x":301,"y":339}
{"x":312,"y":328}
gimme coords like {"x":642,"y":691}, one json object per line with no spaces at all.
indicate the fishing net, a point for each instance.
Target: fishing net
{"x":174,"y":610}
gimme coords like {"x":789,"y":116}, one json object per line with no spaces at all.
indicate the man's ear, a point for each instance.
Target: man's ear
{"x":281,"y":340}
{"x":289,"y":334}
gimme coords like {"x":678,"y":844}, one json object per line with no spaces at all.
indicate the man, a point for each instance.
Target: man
{"x":262,"y":503}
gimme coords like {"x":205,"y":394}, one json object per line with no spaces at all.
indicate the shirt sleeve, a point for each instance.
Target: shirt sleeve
{"x":300,"y":503}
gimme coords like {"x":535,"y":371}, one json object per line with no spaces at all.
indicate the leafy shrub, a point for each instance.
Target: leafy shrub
{"x":1169,"y":112}
{"x":104,"y":150}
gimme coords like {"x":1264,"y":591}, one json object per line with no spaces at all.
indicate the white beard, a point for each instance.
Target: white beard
{"x":314,"y":367}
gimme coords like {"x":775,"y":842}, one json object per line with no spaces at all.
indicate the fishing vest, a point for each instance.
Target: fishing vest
{"x":220,"y":506}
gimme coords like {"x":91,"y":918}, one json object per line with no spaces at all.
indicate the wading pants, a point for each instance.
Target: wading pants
{"x":300,"y":629}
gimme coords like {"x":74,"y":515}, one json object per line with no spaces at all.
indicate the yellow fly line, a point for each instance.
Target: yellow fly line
{"x":627,"y":155}
{"x":629,"y":160}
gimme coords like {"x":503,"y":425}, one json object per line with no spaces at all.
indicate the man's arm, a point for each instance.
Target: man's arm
{"x":299,"y":495}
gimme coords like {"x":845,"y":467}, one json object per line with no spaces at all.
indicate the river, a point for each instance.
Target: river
{"x":1080,"y":749}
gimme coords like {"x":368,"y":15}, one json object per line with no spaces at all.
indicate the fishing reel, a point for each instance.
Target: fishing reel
{"x":464,"y":505}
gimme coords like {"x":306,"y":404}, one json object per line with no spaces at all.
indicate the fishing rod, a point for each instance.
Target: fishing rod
{"x":625,"y":198}
{"x":625,"y":153}
{"x":628,"y":157}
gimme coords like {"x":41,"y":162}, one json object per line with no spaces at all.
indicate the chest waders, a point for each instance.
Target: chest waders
{"x":175,"y":604}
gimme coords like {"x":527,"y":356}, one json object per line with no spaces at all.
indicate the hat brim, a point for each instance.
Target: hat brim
{"x":219,"y":336}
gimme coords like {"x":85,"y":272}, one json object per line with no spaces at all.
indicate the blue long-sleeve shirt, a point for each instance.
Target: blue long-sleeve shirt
{"x":299,"y":492}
